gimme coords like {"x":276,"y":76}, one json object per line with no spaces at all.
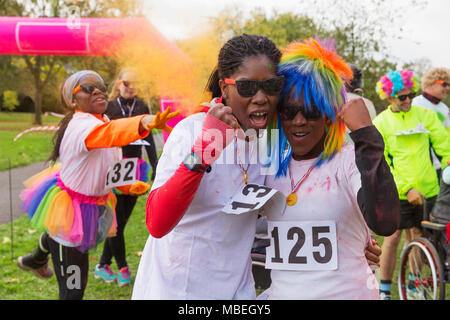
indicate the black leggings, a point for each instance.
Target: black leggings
{"x":71,"y":270}
{"x":115,"y":246}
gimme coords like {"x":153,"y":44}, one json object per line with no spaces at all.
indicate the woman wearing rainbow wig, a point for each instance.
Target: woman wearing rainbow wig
{"x":408,"y":131}
{"x":336,"y":193}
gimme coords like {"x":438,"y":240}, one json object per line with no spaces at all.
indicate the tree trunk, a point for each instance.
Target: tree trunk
{"x":38,"y":91}
{"x":38,"y":107}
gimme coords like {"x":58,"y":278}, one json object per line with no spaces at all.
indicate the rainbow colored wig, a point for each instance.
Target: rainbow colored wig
{"x":395,"y":81}
{"x":315,"y":71}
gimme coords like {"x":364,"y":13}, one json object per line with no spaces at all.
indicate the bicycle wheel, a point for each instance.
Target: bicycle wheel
{"x":421,"y":272}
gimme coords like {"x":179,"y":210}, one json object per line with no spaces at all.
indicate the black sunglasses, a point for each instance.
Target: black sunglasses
{"x":289,"y":112}
{"x":403,"y":97}
{"x":248,"y":88}
{"x":90,"y":88}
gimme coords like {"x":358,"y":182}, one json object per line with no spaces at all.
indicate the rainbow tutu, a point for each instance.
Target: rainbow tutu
{"x":70,"y":218}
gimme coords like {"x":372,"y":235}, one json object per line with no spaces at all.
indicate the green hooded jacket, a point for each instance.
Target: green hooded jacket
{"x":407,"y":137}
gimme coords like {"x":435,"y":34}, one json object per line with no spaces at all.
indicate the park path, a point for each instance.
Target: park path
{"x":18,"y":176}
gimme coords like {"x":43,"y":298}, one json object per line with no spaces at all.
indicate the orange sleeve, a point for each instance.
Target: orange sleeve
{"x":115,"y":133}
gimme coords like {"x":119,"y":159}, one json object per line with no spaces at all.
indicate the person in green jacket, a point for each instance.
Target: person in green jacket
{"x":408,"y":132}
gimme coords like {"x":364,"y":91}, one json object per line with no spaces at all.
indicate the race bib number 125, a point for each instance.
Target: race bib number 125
{"x":305,"y":245}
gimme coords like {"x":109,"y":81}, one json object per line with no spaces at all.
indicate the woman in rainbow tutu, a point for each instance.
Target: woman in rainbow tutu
{"x":72,"y":202}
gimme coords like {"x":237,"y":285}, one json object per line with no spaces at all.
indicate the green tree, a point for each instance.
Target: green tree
{"x":361,"y":30}
{"x":281,"y":28}
{"x":10,"y":100}
{"x":49,"y":70}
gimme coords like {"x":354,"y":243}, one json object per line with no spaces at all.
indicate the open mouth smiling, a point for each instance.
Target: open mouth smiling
{"x":258,"y":119}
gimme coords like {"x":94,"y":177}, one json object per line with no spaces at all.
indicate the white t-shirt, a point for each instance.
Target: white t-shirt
{"x":207,"y":255}
{"x":85,"y":171}
{"x":327,"y":194}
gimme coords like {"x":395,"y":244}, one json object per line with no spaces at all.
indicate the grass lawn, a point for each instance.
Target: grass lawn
{"x":29,"y":148}
{"x":16,"y":284}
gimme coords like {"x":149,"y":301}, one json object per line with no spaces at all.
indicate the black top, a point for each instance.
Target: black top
{"x":126,"y":108}
{"x":378,"y":196}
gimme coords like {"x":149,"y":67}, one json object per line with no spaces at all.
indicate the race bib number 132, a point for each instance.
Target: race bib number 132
{"x":122,"y":173}
{"x":305,"y":245}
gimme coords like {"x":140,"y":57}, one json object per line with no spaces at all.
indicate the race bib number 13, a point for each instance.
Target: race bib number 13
{"x":305,"y":245}
{"x":253,"y":197}
{"x":122,"y":173}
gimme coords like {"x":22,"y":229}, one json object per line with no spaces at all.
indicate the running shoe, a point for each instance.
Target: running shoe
{"x":124,"y":277}
{"x":104,"y":273}
{"x":40,"y":269}
{"x":384,"y":296}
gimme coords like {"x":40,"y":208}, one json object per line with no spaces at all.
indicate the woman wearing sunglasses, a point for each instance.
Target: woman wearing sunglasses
{"x":196,"y":250}
{"x":335,"y":193}
{"x":72,"y":201}
{"x":124,"y":103}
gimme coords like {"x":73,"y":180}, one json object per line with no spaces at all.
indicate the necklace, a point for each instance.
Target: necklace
{"x":292,"y":197}
{"x":249,"y":158}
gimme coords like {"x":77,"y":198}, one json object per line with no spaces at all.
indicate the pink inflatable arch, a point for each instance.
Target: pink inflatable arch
{"x":86,"y":37}
{"x":79,"y":37}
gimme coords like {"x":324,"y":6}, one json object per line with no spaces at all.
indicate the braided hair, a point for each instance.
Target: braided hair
{"x":235,"y":51}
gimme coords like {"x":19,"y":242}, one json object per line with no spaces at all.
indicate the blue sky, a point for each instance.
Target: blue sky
{"x":427,"y":28}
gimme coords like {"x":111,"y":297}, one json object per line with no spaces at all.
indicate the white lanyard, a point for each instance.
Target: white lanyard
{"x":130,"y":108}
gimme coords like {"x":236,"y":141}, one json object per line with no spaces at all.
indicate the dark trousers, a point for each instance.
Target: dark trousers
{"x":115,"y":246}
{"x":71,"y":268}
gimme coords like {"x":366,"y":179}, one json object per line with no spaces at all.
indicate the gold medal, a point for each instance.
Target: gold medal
{"x":291,"y":199}
{"x":245,"y":177}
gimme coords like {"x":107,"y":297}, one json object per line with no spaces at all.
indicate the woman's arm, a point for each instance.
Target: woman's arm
{"x":116,"y":133}
{"x":167,"y":204}
{"x":121,"y":132}
{"x":378,"y":196}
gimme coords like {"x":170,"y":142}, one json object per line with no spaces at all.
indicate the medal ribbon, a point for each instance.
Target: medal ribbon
{"x":249,"y":158}
{"x":294,"y":186}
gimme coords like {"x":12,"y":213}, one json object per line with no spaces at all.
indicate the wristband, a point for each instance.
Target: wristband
{"x":193,"y":162}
